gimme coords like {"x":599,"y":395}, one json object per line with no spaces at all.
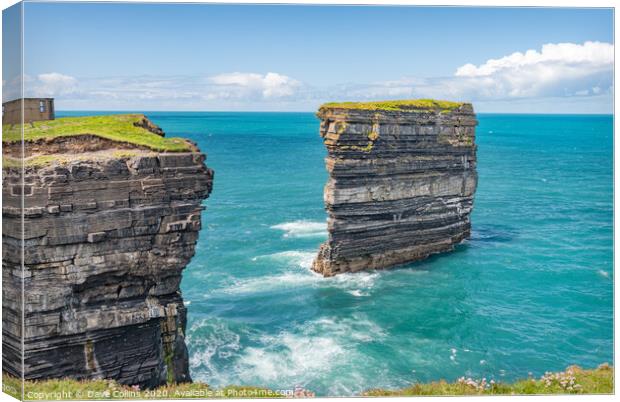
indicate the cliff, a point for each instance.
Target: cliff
{"x":111,"y":218}
{"x":402,"y":177}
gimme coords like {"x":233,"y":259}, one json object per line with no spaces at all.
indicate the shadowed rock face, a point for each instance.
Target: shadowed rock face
{"x":401,"y":185}
{"x":106,"y":240}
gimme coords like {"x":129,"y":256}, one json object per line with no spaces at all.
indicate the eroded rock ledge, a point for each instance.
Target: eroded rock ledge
{"x":402,"y":177}
{"x":107,"y":235}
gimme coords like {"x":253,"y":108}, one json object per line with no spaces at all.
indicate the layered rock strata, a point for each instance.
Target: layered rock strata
{"x":107,"y":234}
{"x":402,"y":178}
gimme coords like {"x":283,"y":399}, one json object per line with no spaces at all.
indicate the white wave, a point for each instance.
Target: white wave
{"x":290,"y":358}
{"x":302,"y":228}
{"x":296,"y":258}
{"x":212,"y":340}
{"x":357,"y":328}
{"x":313,"y":351}
{"x":292,"y":277}
{"x":602,"y":273}
{"x":357,"y":284}
{"x":304,"y":354}
{"x":285,"y":280}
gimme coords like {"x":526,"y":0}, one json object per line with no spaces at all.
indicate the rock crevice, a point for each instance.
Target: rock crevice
{"x":401,"y":183}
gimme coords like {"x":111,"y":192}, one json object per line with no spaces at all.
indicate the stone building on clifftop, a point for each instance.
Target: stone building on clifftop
{"x":35,"y":109}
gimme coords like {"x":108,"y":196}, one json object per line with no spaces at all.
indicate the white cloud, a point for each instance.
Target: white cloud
{"x":11,"y":88}
{"x":575,"y":72}
{"x":229,"y":91}
{"x":50,"y":85}
{"x":557,"y":70}
{"x":562,"y":69}
{"x":590,"y":55}
{"x":270,"y":85}
{"x":42,"y":85}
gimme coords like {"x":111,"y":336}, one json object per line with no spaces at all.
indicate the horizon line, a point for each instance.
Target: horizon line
{"x":298,"y":111}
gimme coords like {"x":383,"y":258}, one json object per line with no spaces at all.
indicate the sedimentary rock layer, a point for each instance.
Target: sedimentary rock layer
{"x":401,"y":183}
{"x":106,"y":237}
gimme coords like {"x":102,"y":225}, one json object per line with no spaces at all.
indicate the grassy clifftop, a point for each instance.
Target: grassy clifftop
{"x":67,"y":389}
{"x":120,"y":128}
{"x":573,"y":380}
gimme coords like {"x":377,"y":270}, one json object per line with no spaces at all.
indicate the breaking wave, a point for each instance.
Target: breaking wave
{"x":298,"y":258}
{"x":304,"y":355}
{"x":296,"y":273}
{"x":213,"y":345}
{"x":302,"y":228}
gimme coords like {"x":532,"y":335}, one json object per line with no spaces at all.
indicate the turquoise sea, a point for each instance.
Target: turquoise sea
{"x":531,"y":291}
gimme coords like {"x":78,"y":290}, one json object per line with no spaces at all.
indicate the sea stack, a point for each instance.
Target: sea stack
{"x":111,"y":215}
{"x":402,"y":177}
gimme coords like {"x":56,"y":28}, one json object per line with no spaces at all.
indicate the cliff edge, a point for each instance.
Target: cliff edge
{"x":111,"y":214}
{"x":402,"y":177}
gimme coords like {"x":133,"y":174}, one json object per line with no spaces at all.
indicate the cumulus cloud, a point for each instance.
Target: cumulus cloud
{"x":49,"y":85}
{"x":52,"y":84}
{"x":562,"y":69}
{"x":42,"y":85}
{"x":590,"y":55}
{"x":557,"y":70}
{"x":270,"y":85}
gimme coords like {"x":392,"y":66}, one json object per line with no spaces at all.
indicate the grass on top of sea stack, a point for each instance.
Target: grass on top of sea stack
{"x":396,"y":105}
{"x":118,"y":127}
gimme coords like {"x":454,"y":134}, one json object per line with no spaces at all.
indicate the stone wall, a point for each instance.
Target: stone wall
{"x":401,"y":185}
{"x":106,"y":240}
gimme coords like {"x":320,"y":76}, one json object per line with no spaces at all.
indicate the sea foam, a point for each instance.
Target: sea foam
{"x":295,"y":272}
{"x":213,"y":344}
{"x":297,"y":258}
{"x":304,"y":354}
{"x":302,"y":228}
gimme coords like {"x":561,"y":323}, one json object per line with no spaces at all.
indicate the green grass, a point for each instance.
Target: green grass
{"x":396,"y":105}
{"x":117,"y":128}
{"x":35,"y":161}
{"x":67,"y":389}
{"x":573,"y":380}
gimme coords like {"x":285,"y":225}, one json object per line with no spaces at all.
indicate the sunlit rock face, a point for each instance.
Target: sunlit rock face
{"x":401,"y":182}
{"x":106,"y":239}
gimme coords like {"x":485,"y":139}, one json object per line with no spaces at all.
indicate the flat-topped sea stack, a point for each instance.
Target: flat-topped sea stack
{"x":111,"y":213}
{"x":402,"y":177}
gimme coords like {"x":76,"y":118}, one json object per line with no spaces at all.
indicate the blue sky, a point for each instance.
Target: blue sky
{"x":240,"y":57}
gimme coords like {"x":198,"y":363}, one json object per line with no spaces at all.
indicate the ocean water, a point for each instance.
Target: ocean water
{"x":531,"y":291}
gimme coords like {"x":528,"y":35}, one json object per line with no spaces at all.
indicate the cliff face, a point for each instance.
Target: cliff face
{"x":107,"y":233}
{"x":401,"y":182}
